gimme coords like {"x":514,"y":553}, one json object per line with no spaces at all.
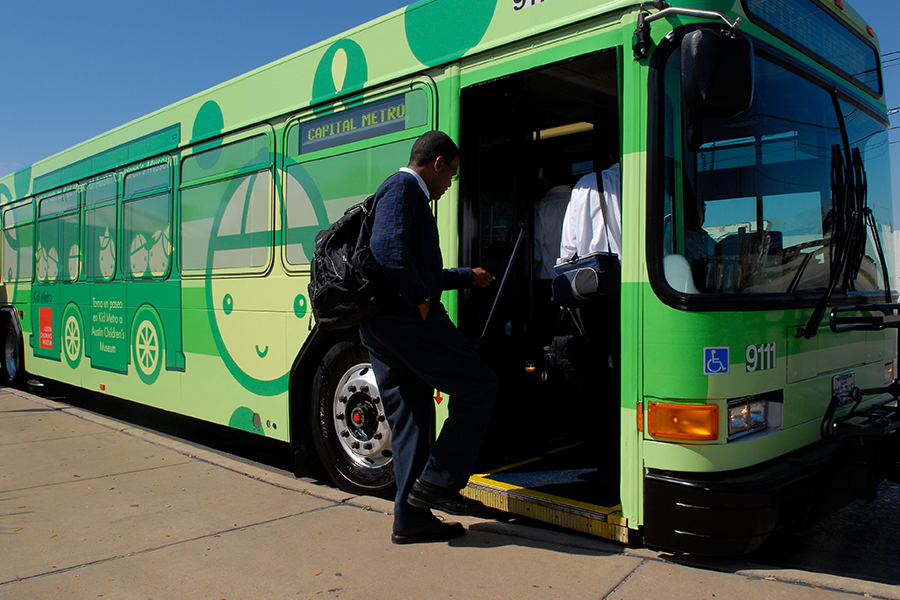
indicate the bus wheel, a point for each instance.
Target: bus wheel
{"x":349,"y":427}
{"x":12,"y":372}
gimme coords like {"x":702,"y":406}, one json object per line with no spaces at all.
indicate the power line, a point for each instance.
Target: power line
{"x":890,"y":62}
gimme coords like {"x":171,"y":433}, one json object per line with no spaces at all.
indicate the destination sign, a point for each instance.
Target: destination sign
{"x":361,"y":123}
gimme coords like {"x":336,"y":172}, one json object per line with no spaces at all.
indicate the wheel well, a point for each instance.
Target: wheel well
{"x":9,"y":318}
{"x":303,"y":371}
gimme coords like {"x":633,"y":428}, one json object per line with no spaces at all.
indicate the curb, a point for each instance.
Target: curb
{"x":821,"y":581}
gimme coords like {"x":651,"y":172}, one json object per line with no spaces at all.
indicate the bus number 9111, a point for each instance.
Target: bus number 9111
{"x":520,"y":4}
{"x":760,"y":358}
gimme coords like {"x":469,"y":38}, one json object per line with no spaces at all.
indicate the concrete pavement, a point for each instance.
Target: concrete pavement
{"x":91,"y":507}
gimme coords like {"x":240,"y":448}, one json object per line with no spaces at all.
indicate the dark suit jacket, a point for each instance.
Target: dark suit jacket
{"x":405,"y":242}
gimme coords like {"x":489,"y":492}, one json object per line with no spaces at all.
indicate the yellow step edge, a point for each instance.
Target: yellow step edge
{"x":601,"y":521}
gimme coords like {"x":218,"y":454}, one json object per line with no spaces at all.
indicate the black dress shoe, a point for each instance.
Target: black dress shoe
{"x":423,"y":495}
{"x":433,"y":532}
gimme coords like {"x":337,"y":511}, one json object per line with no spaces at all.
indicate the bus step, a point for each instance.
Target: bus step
{"x":550,"y":497}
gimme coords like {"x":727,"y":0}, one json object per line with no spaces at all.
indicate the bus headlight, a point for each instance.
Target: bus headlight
{"x":746,"y":415}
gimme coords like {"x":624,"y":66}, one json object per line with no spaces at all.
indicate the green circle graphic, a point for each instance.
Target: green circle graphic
{"x":357,"y":72}
{"x":300,"y":306}
{"x":244,"y":418}
{"x":461,"y":28}
{"x":147,"y":344}
{"x":72,"y":335}
{"x":209,"y":121}
{"x":218,"y":243}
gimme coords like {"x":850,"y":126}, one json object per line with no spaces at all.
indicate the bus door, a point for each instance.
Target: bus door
{"x":552,"y":448}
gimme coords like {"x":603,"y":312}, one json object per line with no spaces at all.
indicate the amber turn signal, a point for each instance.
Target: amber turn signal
{"x":698,"y":422}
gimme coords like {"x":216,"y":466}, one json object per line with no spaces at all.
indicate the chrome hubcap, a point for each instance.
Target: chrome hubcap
{"x":359,"y":419}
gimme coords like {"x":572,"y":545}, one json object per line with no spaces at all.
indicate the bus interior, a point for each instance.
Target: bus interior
{"x":554,"y":436}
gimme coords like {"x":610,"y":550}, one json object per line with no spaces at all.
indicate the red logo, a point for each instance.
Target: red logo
{"x":45,"y":328}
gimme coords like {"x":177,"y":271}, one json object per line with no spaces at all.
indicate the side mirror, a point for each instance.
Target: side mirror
{"x":716,"y":73}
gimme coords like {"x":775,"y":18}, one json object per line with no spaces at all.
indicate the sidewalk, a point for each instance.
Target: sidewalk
{"x":94,"y":508}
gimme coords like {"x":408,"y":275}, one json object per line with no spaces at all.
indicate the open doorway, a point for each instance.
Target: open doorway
{"x":523,"y":136}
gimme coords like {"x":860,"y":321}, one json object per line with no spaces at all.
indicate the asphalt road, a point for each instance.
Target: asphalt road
{"x":860,"y":541}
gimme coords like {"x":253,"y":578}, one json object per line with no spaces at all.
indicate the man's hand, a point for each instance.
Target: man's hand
{"x":423,"y":308}
{"x":482,"y":278}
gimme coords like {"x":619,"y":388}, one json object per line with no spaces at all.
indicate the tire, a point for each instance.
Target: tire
{"x":349,"y":428}
{"x":12,"y":369}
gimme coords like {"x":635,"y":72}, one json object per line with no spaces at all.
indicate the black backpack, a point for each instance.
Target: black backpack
{"x":347,"y":286}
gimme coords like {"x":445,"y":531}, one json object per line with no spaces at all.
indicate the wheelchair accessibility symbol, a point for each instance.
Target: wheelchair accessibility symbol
{"x":715,"y":361}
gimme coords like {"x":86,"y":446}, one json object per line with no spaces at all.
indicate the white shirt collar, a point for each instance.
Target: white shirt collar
{"x":419,"y":179}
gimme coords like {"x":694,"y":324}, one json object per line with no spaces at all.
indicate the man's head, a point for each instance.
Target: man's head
{"x":435,"y":157}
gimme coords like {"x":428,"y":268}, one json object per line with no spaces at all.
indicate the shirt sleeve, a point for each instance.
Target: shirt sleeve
{"x":577,"y":224}
{"x":458,"y":278}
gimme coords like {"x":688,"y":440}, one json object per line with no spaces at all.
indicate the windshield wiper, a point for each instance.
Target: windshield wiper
{"x":849,"y":185}
{"x":842,"y":237}
{"x":868,"y":218}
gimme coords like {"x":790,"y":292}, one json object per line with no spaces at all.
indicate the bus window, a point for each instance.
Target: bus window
{"x":226,"y":208}
{"x":340,"y":165}
{"x":334,"y":184}
{"x":58,"y":253}
{"x":750,"y":207}
{"x":18,"y":243}
{"x":147,"y":209}
{"x":871,"y":138}
{"x":100,"y":229}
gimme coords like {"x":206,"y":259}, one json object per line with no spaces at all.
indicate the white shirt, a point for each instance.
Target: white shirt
{"x":419,"y":179}
{"x":548,"y":218}
{"x":589,"y":226}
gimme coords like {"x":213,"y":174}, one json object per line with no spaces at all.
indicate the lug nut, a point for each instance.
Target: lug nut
{"x":339,"y":416}
{"x":377,"y":435}
{"x":355,"y":445}
{"x":343,"y":399}
{"x":345,"y":433}
{"x":352,"y":389}
{"x":367,"y":446}
{"x":364,"y":389}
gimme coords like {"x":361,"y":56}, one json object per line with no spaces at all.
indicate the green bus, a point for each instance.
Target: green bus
{"x":747,"y":382}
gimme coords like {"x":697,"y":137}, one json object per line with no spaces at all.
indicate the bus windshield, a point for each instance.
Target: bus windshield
{"x":753,"y":204}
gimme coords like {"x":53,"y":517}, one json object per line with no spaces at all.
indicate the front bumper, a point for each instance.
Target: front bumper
{"x":734,"y":512}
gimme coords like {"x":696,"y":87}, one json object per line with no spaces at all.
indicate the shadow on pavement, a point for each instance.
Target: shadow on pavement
{"x":244,"y":446}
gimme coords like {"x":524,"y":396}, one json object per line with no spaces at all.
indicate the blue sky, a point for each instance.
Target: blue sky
{"x":74,"y":69}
